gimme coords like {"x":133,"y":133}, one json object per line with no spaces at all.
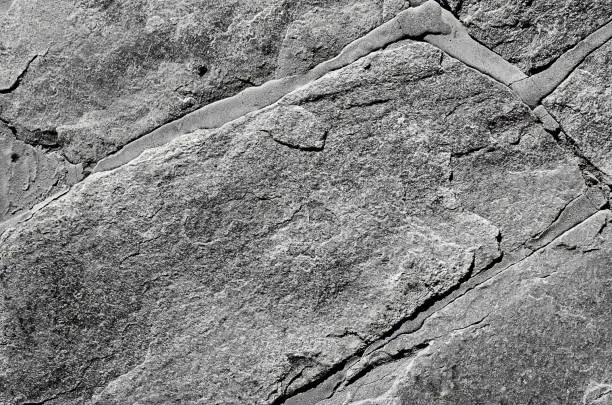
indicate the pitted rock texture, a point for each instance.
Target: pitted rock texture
{"x":402,"y":229}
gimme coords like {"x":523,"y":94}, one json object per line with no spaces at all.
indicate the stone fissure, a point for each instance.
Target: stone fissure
{"x":535,"y":88}
{"x":457,"y":43}
{"x":416,"y":321}
{"x":427,"y":18}
{"x":410,"y":23}
{"x":443,"y":30}
{"x":19,"y":77}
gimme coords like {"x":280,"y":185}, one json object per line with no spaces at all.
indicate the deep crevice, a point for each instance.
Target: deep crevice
{"x":592,"y":175}
{"x":486,"y":148}
{"x":399,"y":355}
{"x":315,"y":383}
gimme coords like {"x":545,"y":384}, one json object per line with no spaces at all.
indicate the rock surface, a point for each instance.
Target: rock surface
{"x":109,"y":71}
{"x":531,"y":33}
{"x":539,"y":331}
{"x":29,"y":174}
{"x":402,"y":230}
{"x":583,"y":107}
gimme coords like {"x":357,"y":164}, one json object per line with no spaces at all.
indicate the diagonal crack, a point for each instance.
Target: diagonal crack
{"x":534,"y":88}
{"x":413,"y":22}
{"x":20,"y":77}
{"x":338,"y":370}
{"x":415,"y":322}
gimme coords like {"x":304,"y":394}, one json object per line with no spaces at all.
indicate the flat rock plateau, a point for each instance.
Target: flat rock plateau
{"x":317,"y":202}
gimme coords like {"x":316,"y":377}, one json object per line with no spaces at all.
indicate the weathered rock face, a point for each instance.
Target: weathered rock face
{"x":531,"y":33}
{"x":401,"y":230}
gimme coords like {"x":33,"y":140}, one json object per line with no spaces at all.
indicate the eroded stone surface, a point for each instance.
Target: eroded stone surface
{"x":583,"y":106}
{"x":229,"y":268}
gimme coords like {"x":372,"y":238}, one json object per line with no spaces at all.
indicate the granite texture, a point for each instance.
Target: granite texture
{"x":378,"y":217}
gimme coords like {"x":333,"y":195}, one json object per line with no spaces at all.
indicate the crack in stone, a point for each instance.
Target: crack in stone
{"x":410,"y":23}
{"x":461,"y":46}
{"x":535,"y":88}
{"x":454,"y":41}
{"x":457,"y":44}
{"x":415,"y":322}
{"x":27,"y":215}
{"x":340,"y":369}
{"x":574,"y":212}
{"x":20,"y":77}
{"x":303,"y":148}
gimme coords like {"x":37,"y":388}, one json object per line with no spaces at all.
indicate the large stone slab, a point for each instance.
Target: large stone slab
{"x":238,"y":265}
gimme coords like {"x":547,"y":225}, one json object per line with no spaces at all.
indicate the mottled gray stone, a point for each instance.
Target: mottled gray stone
{"x":371,"y":223}
{"x":539,"y":332}
{"x":227,"y":267}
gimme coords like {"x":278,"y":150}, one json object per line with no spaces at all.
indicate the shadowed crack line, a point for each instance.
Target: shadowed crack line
{"x":453,"y":294}
{"x":20,"y":77}
{"x":304,"y":148}
{"x":338,"y":370}
{"x":494,"y":271}
{"x":432,"y":23}
{"x":416,"y":321}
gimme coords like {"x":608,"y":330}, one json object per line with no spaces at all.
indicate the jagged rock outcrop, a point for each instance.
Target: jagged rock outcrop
{"x":402,"y":228}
